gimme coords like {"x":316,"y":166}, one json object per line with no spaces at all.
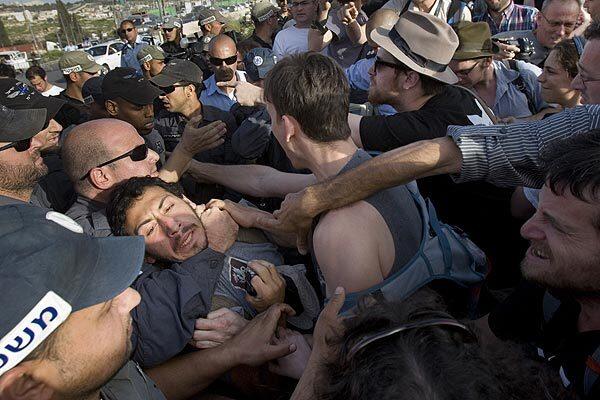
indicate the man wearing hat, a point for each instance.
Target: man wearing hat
{"x":152,"y":60}
{"x":180,"y":82}
{"x":211,"y":22}
{"x":77,"y":67}
{"x":509,"y":91}
{"x":171,"y":28}
{"x":264,"y":16}
{"x":68,"y":296}
{"x":53,"y":190}
{"x":93,"y":98}
{"x":21,"y":165}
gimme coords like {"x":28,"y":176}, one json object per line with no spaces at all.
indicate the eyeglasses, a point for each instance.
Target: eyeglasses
{"x":435,"y":319}
{"x":19,"y":146}
{"x":138,"y":153}
{"x":126,"y":30}
{"x":168,"y":29}
{"x":219,"y":61}
{"x":569,"y":26}
{"x":466,"y":72}
{"x":379,"y":62}
{"x":171,"y":89}
{"x":583,"y":80}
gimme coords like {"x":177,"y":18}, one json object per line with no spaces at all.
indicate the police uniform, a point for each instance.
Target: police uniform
{"x":91,"y":215}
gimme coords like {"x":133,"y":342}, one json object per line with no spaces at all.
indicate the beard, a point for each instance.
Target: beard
{"x":17,"y":178}
{"x":224,"y":75}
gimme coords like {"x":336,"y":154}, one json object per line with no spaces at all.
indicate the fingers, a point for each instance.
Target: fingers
{"x":279,"y":350}
{"x":205,"y":344}
{"x":302,"y":242}
{"x":332,"y":309}
{"x":217,"y":203}
{"x":212,"y":336}
{"x":268,"y":221}
{"x":227,"y":84}
{"x":265,"y":271}
{"x":209,"y":324}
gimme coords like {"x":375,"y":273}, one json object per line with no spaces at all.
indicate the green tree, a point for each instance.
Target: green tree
{"x":65,"y":23}
{"x":78,"y":32}
{"x":4,"y":39}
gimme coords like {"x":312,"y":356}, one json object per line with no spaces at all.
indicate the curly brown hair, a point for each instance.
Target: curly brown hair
{"x":567,"y":55}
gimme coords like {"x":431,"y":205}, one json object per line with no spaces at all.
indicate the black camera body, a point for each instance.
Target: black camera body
{"x":525,"y":45}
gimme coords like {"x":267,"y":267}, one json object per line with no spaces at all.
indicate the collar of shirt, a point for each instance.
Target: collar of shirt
{"x":90,"y":204}
{"x":6,"y":201}
{"x":211,"y":85}
{"x":504,"y":76}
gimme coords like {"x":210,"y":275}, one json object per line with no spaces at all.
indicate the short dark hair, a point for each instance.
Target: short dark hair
{"x":127,"y":21}
{"x":567,"y":55}
{"x":314,"y":90}
{"x":574,"y":164}
{"x":427,"y":362}
{"x":592,"y":32}
{"x":34,"y":71}
{"x":7,"y":71}
{"x":127,"y":193}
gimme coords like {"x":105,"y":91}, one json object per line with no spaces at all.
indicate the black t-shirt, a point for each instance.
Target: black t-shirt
{"x":480,"y":209}
{"x":552,"y":332}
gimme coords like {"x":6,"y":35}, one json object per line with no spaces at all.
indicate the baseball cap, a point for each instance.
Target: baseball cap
{"x":263,"y":10}
{"x":17,"y":125}
{"x":171,"y":22}
{"x":206,"y":16}
{"x":17,"y":95}
{"x":78,"y":61}
{"x":178,"y":71}
{"x":148,"y":53}
{"x":128,"y":85}
{"x":50,"y":269}
{"x":92,"y":90}
{"x":258,"y":62}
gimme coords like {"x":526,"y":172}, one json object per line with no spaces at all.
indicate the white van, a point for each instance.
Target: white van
{"x":17,"y":59}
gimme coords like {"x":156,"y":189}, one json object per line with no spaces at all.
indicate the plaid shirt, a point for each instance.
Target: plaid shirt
{"x":514,"y":18}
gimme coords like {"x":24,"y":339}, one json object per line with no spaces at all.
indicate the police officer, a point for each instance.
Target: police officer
{"x":172,"y":30}
{"x":211,"y":22}
{"x":152,"y":60}
{"x":264,"y":16}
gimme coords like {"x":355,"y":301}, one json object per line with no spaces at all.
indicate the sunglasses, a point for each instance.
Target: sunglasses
{"x":379,"y":62}
{"x":19,"y":146}
{"x":466,"y":72}
{"x":138,"y":153}
{"x":126,"y":30}
{"x":171,"y":89}
{"x":168,"y":29}
{"x":217,"y":62}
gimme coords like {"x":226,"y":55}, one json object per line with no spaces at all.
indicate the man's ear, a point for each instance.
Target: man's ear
{"x":146,"y":65}
{"x":411,"y":80}
{"x":101,"y":179}
{"x":111,"y":107}
{"x":18,"y":384}
{"x":486,"y":62}
{"x":291,"y":127}
{"x":74,"y":76}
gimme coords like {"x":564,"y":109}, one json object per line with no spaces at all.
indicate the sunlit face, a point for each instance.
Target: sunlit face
{"x":40,"y":84}
{"x":556,"y":22}
{"x":170,"y":34}
{"x":555,"y":82}
{"x":563,"y":243}
{"x":129,"y":31}
{"x":91,"y":346}
{"x":225,"y":50}
{"x":587,"y":80}
{"x":304,"y":11}
{"x":155,"y":67}
{"x":170,"y":227}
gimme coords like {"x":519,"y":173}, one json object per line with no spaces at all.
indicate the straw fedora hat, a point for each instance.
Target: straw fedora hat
{"x":422,"y":42}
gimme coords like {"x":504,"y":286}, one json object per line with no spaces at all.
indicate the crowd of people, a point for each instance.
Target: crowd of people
{"x":358,"y":201}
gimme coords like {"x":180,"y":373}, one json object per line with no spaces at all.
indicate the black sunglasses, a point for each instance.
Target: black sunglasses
{"x":379,"y":62}
{"x":138,"y":153}
{"x":20,"y":146}
{"x":127,"y":30}
{"x":217,"y":62}
{"x":167,"y":29}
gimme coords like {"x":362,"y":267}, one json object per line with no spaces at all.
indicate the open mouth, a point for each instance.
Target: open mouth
{"x":186,"y":240}
{"x":537,"y":253}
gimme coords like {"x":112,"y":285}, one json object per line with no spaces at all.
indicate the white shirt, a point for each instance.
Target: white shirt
{"x":53,"y":91}
{"x":290,"y":41}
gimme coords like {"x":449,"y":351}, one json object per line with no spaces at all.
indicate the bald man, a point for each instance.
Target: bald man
{"x":97,"y":160}
{"x":358,"y":73}
{"x":223,"y":58}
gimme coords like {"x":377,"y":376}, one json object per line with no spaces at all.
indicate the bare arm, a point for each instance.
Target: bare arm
{"x":317,"y":41}
{"x":396,"y":167}
{"x":184,"y":376}
{"x":356,"y":32}
{"x":253,"y":180}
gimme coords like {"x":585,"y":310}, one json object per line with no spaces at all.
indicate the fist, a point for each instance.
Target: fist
{"x":221,"y":229}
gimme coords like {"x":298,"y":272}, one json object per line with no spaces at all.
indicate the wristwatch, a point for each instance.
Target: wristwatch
{"x":320,"y":26}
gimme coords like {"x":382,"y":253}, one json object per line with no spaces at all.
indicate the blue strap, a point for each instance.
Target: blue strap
{"x":444,"y":244}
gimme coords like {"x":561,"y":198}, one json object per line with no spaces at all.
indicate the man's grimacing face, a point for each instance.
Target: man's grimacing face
{"x":170,"y":227}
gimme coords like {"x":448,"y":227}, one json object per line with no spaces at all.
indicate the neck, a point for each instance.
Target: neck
{"x":73,"y":91}
{"x":410,"y":102}
{"x":22,"y":194}
{"x":426,"y":6}
{"x":302,"y":25}
{"x":573,"y":100}
{"x":264,"y":32}
{"x":99,"y":196}
{"x":488,"y":81}
{"x":191,"y":108}
{"x":589,"y":317}
{"x":326,"y":160}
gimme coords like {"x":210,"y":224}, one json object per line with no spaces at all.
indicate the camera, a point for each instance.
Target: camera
{"x":525,"y":45}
